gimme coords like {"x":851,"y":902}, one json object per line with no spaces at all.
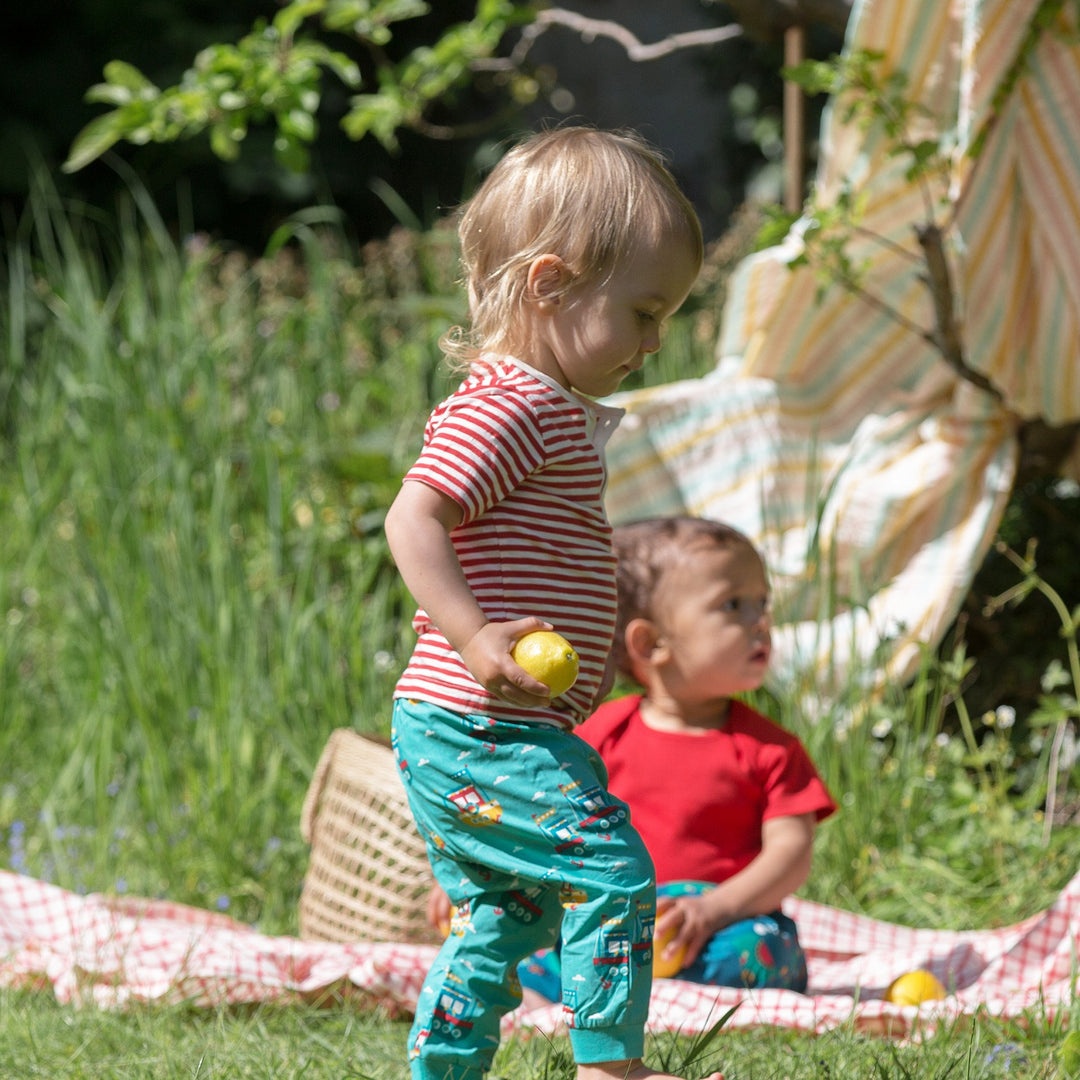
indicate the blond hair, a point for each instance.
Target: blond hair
{"x":644,"y":550}
{"x":586,"y":195}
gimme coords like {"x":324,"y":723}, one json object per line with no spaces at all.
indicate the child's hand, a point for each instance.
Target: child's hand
{"x":487,"y":656}
{"x":692,"y":922}
{"x":438,"y":910}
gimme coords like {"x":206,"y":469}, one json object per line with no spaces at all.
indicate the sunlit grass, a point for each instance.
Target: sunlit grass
{"x":196,"y":451}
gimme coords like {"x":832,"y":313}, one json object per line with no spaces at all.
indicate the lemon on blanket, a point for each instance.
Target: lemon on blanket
{"x":913,"y":988}
{"x":666,"y":968}
{"x":549,"y":658}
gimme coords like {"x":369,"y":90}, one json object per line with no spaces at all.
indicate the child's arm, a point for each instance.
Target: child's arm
{"x":418,"y":526}
{"x":781,"y":867}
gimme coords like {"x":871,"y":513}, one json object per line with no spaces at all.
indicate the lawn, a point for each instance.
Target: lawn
{"x":196,"y":451}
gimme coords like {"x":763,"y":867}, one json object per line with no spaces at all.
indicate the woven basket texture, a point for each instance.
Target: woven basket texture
{"x":369,"y":877}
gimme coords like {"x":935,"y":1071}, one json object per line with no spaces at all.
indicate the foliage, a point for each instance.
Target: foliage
{"x":275,"y":73}
{"x":1016,"y":643}
{"x":195,"y":455}
{"x":867,"y":93}
{"x":938,"y":805}
{"x":878,"y":101}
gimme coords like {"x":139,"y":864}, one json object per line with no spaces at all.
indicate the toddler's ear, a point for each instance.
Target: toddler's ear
{"x":548,"y":279}
{"x":642,"y":639}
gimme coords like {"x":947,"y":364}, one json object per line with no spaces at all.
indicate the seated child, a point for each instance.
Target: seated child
{"x":725,"y":800}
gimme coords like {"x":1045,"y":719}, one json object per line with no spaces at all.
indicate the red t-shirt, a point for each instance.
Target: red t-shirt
{"x":699,"y":801}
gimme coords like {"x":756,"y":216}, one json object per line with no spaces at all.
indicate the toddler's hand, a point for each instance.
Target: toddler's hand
{"x":692,"y":924}
{"x":487,"y":656}
{"x":438,"y":910}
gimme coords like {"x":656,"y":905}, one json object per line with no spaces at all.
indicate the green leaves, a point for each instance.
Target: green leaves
{"x":430,"y":73}
{"x":370,"y":22}
{"x":274,"y":75}
{"x":1069,"y":1056}
{"x":267,"y":75}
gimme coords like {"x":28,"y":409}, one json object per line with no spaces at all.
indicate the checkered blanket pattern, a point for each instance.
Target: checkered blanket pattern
{"x":114,"y":952}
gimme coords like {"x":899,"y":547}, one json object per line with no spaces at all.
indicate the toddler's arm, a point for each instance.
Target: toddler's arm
{"x":781,"y":867}
{"x":418,"y":526}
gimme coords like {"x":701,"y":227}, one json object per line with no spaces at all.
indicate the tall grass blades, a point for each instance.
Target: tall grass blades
{"x":198,"y":449}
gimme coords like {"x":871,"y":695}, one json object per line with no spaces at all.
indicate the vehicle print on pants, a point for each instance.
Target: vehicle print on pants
{"x":617,"y":946}
{"x":556,"y":826}
{"x":595,"y":804}
{"x":613,"y":948}
{"x":461,"y":918}
{"x":520,"y":904}
{"x":422,"y":1037}
{"x":570,"y":895}
{"x":473,"y":806}
{"x":453,"y":1011}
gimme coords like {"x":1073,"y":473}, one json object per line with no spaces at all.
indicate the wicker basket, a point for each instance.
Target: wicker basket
{"x":369,"y":876}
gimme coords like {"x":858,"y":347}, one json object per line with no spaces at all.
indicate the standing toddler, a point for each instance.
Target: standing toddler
{"x":576,"y":248}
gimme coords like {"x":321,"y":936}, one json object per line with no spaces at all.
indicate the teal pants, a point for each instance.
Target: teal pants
{"x":528,"y":844}
{"x":760,"y":953}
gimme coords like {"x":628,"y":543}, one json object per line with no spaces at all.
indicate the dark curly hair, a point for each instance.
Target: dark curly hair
{"x":645,"y":549}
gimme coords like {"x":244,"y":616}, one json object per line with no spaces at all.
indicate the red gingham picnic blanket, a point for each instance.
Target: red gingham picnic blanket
{"x":112,"y":952}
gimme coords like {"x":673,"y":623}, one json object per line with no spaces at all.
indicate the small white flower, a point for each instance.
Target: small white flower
{"x":881,"y":728}
{"x":303,"y":515}
{"x":1006,"y":716}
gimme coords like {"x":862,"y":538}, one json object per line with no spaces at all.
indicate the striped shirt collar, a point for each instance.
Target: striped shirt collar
{"x":600,"y":420}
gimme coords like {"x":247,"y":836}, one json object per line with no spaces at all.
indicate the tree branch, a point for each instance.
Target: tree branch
{"x":946,"y":335}
{"x":590,"y":29}
{"x":883,"y":306}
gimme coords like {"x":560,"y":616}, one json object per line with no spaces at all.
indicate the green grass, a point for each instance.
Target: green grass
{"x":196,"y":451}
{"x":42,"y":1039}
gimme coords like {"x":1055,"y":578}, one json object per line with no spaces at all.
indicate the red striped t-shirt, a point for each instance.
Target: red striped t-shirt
{"x":523,"y":458}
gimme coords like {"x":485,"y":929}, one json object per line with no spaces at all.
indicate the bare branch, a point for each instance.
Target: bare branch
{"x":590,"y":29}
{"x":883,"y":241}
{"x":947,"y":334}
{"x":875,"y":301}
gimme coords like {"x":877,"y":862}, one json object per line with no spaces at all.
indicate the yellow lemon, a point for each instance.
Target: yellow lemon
{"x":913,"y":988}
{"x":661,"y":968}
{"x":549,"y":658}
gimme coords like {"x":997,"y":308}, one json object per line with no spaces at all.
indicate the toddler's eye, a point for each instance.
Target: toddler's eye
{"x":646,"y":316}
{"x":747,"y":606}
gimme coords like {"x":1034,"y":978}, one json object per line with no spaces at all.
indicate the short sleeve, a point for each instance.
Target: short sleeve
{"x":480,"y":447}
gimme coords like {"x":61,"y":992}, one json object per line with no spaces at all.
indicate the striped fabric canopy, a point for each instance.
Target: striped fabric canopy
{"x":873,"y":476}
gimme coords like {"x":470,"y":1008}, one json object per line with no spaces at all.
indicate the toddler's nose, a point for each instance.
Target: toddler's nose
{"x":759,"y":616}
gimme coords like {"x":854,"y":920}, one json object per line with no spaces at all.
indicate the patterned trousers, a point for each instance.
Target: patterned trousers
{"x":528,"y":844}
